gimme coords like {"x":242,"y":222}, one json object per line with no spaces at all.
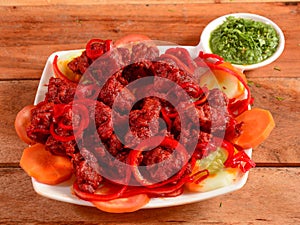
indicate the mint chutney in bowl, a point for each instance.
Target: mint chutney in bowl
{"x":248,"y":41}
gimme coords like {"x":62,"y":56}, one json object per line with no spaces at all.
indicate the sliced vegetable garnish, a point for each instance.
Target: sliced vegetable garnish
{"x":123,"y":205}
{"x":97,"y":47}
{"x":62,"y":71}
{"x":44,"y":166}
{"x":235,"y":106}
{"x":237,"y":158}
{"x":159,"y":166}
{"x":240,"y":160}
{"x":214,"y":161}
{"x":224,"y":81}
{"x":224,"y":177}
{"x":130,"y":39}
{"x":22,"y":121}
{"x":59,"y":110}
{"x":257,"y":126}
{"x":104,"y":193}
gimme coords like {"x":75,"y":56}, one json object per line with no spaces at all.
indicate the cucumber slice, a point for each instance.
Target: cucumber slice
{"x":224,"y":177}
{"x":214,"y":161}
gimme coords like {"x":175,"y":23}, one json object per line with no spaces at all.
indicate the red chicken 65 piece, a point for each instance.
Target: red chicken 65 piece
{"x":131,"y":123}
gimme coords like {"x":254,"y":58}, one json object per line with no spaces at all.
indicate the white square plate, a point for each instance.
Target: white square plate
{"x":63,"y":191}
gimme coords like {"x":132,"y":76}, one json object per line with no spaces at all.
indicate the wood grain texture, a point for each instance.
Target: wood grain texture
{"x":14,"y":95}
{"x":270,"y":196}
{"x":279,"y":95}
{"x":30,"y":33}
{"x":103,"y":2}
{"x":31,"y":30}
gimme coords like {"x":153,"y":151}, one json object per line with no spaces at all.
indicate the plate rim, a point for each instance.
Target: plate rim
{"x":185,"y":198}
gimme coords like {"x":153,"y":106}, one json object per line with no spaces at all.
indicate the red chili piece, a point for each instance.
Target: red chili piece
{"x":97,"y":197}
{"x":240,"y":159}
{"x":97,"y":47}
{"x":235,"y":107}
{"x":57,"y":71}
{"x":183,"y":55}
{"x":204,"y":174}
{"x":203,"y":55}
{"x":59,"y":110}
{"x":158,"y":191}
{"x":203,"y":97}
{"x":150,"y":143}
{"x":178,"y":62}
{"x":193,"y":89}
{"x":166,"y":118}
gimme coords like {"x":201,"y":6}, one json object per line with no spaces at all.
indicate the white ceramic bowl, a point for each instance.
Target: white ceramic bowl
{"x":205,"y":36}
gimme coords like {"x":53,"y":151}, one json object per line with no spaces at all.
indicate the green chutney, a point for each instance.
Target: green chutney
{"x":244,"y":41}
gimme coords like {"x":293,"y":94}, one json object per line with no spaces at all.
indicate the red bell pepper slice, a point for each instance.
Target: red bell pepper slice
{"x":235,"y":107}
{"x":58,"y":111}
{"x":74,"y":78}
{"x":57,"y":71}
{"x":203,"y":55}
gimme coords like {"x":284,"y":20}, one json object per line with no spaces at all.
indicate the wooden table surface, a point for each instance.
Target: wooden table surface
{"x":31,"y":30}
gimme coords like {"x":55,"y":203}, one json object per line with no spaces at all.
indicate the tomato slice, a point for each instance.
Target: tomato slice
{"x":130,"y":39}
{"x":226,"y":82}
{"x":123,"y":205}
{"x":22,"y":121}
{"x":45,"y":167}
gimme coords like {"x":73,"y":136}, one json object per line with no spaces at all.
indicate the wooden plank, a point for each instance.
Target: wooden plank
{"x":270,"y":196}
{"x":279,"y":95}
{"x":29,"y":34}
{"x":282,"y":97}
{"x":14,"y":95}
{"x":104,"y":2}
{"x":27,"y":62}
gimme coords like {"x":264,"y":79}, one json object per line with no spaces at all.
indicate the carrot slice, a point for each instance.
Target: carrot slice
{"x":257,"y":126}
{"x":123,"y":205}
{"x":44,"y":166}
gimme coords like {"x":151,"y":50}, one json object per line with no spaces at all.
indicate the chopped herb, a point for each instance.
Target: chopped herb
{"x":277,"y":68}
{"x":250,"y":83}
{"x":244,"y":41}
{"x":279,"y":98}
{"x":220,"y":204}
{"x":257,"y":85}
{"x":78,"y":21}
